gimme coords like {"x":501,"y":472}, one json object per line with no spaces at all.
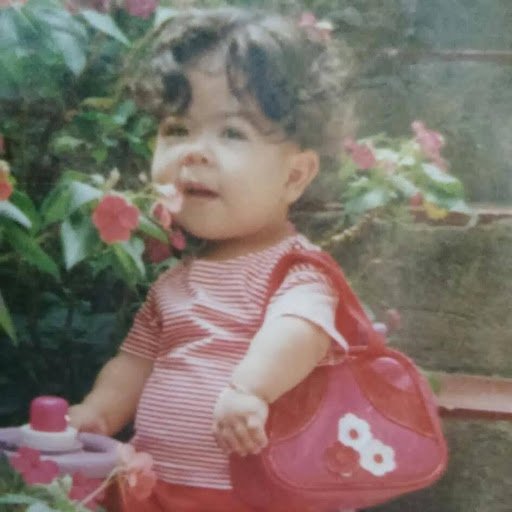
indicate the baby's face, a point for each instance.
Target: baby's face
{"x":233,"y":177}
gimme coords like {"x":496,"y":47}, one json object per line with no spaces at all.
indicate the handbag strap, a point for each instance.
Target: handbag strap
{"x":351,"y":320}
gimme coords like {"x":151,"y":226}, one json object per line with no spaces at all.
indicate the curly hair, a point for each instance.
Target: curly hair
{"x":299,"y":84}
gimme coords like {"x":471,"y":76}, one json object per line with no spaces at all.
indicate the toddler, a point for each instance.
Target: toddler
{"x":249,"y":104}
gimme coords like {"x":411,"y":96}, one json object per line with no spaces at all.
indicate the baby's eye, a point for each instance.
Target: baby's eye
{"x":174,"y":129}
{"x":231,"y":132}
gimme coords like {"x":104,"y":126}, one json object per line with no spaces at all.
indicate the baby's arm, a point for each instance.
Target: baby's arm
{"x":282,"y":354}
{"x":114,"y":397}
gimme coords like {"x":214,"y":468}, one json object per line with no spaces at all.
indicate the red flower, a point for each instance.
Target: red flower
{"x":141,"y":8}
{"x":178,"y":240}
{"x":162,"y":215}
{"x":416,"y":199}
{"x":115,"y":219}
{"x":5,"y":190}
{"x":430,"y":143}
{"x":136,"y":474}
{"x":28,"y":463}
{"x":156,"y":251}
{"x":83,"y":487}
{"x":341,"y":459}
{"x":361,"y":154}
{"x":5,"y":186}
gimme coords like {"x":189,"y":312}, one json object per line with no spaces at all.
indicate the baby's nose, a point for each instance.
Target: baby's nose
{"x":195,"y":157}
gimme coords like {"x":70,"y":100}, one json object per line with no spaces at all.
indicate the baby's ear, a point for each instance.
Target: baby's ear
{"x":304,"y":166}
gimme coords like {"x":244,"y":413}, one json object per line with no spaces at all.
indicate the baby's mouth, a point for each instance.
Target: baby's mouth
{"x":197,"y":190}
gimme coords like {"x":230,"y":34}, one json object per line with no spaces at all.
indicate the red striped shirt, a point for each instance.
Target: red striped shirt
{"x":196,"y":325}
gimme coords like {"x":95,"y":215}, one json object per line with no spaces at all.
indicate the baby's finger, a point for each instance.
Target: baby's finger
{"x":221,"y":443}
{"x":245,"y":438}
{"x":257,"y":432}
{"x":231,"y":439}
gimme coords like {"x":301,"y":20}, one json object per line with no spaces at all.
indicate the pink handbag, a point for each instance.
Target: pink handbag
{"x":352,"y":434}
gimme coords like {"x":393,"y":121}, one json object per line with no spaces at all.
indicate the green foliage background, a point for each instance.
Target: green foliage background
{"x":60,"y":112}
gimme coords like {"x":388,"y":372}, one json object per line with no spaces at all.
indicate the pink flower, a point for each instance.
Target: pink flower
{"x":141,"y":8}
{"x":341,"y":460}
{"x":162,"y":214}
{"x":361,"y":154}
{"x":83,"y":487}
{"x":319,"y":31}
{"x":115,"y":219}
{"x":28,"y":463}
{"x":156,"y":251}
{"x":430,"y":143}
{"x":136,"y":474}
{"x":178,"y":240}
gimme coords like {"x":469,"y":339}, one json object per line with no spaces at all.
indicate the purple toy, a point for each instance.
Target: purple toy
{"x":92,"y":455}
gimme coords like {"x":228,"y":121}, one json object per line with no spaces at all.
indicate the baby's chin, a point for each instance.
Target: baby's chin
{"x":208,"y":233}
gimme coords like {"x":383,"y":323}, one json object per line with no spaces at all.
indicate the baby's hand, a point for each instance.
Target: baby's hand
{"x":86,"y":419}
{"x":239,"y":422}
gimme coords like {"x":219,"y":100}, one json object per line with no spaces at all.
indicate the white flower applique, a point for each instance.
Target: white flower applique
{"x":377,"y":458}
{"x":353,"y":431}
{"x":374,"y":456}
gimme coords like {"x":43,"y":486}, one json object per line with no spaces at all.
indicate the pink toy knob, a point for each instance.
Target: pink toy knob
{"x":48,"y":414}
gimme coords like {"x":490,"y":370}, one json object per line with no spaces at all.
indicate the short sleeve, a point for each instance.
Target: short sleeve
{"x":306,"y":292}
{"x":144,"y":336}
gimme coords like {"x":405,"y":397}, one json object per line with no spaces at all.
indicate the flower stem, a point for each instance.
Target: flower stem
{"x":101,"y":488}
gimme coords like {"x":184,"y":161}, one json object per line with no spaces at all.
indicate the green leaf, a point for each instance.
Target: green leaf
{"x":17,"y":499}
{"x":98,"y":103}
{"x":67,"y":197}
{"x":40,"y":506}
{"x":30,"y":251}
{"x":100,"y":154}
{"x":8,"y":34}
{"x":82,"y":193}
{"x":126,"y":267}
{"x":55,"y":206}
{"x":448,"y":202}
{"x":66,"y":144}
{"x":442,"y":180}
{"x":148,"y":227}
{"x":51,"y":14}
{"x":104,"y":23}
{"x":71,"y":49}
{"x":163,"y":14}
{"x":62,"y":37}
{"x":374,"y":198}
{"x":78,"y":239}
{"x":403,"y":185}
{"x":461,"y":206}
{"x":7,"y":209}
{"x":134,"y":248}
{"x":123,"y":112}
{"x":6,"y":322}
{"x":22,"y":201}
